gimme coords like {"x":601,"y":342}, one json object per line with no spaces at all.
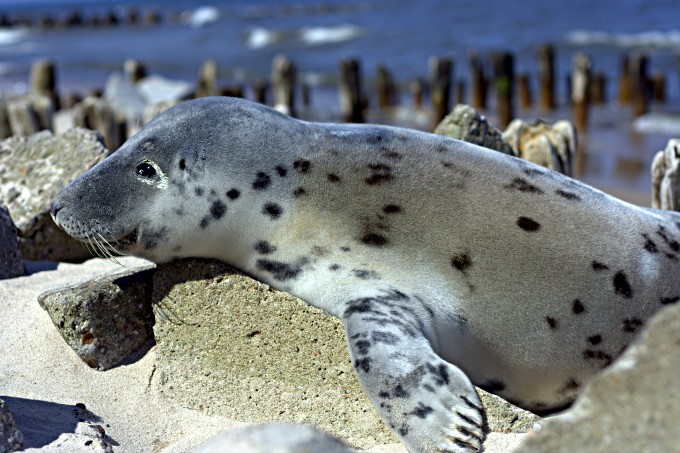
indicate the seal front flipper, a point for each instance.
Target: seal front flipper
{"x":430,"y":404}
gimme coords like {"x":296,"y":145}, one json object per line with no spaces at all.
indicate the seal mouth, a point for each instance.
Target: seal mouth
{"x":129,"y":239}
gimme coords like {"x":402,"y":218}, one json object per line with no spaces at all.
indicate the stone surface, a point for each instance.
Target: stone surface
{"x":631,"y":406}
{"x":32,"y":171}
{"x":464,"y":123}
{"x":104,"y":320}
{"x":666,"y":177}
{"x":10,"y":437}
{"x":503,"y":417}
{"x":87,"y":438}
{"x":550,"y":145}
{"x":269,"y":356}
{"x":124,"y":97}
{"x":274,"y":438}
{"x":11,"y":261}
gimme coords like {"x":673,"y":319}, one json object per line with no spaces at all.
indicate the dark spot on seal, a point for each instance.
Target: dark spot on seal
{"x":182,"y":164}
{"x":299,"y":191}
{"x":332,"y":177}
{"x":595,"y":339}
{"x":400,"y":392}
{"x":567,"y":195}
{"x":523,"y":185}
{"x":273,"y":210}
{"x":598,"y":355}
{"x":439,"y":373}
{"x":204,"y":223}
{"x":552,"y":322}
{"x":385,"y":337}
{"x":262,"y":181}
{"x":391,"y":209}
{"x":383,"y":394}
{"x":218,"y":209}
{"x":281,"y":171}
{"x":233,"y":194}
{"x":461,"y":262}
{"x":366,"y":274}
{"x":672,"y":243}
{"x":621,"y":285}
{"x":363,"y":346}
{"x":493,"y":385}
{"x":597,"y":266}
{"x":578,"y":307}
{"x":669,"y":300}
{"x":632,"y":325}
{"x":302,"y":165}
{"x":334,"y":267}
{"x":345,"y":248}
{"x":363,"y":364}
{"x":404,"y":429}
{"x":528,"y":224}
{"x":199,"y":191}
{"x":280,"y":271}
{"x":421,"y":411}
{"x":380,"y":173}
{"x":650,"y":245}
{"x":374,"y":239}
{"x":391,"y":155}
{"x":572,"y":384}
{"x":264,"y":247}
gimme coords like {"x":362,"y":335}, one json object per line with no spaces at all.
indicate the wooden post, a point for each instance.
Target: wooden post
{"x":207,"y":79}
{"x":385,"y":87}
{"x":546,"y":76}
{"x":598,"y":88}
{"x":416,"y":89}
{"x":624,"y":81}
{"x":524,"y":88}
{"x":306,"y":94}
{"x":504,"y":81}
{"x":5,"y":128}
{"x":260,"y":91}
{"x":134,"y":70}
{"x":478,"y":83}
{"x":460,"y":92}
{"x":44,"y":80}
{"x":351,"y":100}
{"x":283,"y":81}
{"x":659,"y":87}
{"x":441,"y":73}
{"x":580,"y":90}
{"x":639,"y":83}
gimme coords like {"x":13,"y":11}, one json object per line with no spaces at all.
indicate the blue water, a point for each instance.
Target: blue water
{"x":401,"y":34}
{"x":244,"y":37}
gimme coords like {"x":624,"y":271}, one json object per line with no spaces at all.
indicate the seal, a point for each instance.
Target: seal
{"x":448,"y":264}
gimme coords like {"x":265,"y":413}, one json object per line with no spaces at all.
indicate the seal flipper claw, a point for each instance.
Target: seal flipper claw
{"x":430,"y":404}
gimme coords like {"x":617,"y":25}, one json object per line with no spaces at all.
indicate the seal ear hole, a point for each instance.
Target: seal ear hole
{"x":182,"y":164}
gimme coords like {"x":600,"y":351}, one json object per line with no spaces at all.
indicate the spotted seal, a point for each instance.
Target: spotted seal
{"x":448,"y":264}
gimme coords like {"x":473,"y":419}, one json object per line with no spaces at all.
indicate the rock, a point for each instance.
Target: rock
{"x":11,"y":438}
{"x":464,"y":123}
{"x":124,"y":97}
{"x":87,"y":438}
{"x":32,"y":171}
{"x":156,"y":89}
{"x":104,"y":320}
{"x":503,"y":417}
{"x":630,"y":406}
{"x":552,"y":146}
{"x":666,"y":177}
{"x":274,"y":438}
{"x":11,"y":261}
{"x":269,"y":356}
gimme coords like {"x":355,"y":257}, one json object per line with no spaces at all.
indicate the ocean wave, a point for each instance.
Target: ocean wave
{"x":659,"y":39}
{"x":201,"y":16}
{"x":658,"y":123}
{"x":260,"y":37}
{"x":315,"y":36}
{"x":9,"y":36}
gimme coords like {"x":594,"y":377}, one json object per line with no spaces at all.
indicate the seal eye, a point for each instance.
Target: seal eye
{"x":146,"y":170}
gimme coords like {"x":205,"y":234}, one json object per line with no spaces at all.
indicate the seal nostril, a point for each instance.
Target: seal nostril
{"x":55,"y":207}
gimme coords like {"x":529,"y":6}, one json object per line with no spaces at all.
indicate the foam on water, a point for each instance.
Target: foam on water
{"x":654,"y":38}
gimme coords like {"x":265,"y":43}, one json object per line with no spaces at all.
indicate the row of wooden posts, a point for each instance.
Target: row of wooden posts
{"x":635,"y":88}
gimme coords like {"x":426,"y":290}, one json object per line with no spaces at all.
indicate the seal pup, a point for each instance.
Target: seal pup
{"x":449,"y":264}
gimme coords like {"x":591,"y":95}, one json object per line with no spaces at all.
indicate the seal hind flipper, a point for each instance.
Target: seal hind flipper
{"x":430,"y":404}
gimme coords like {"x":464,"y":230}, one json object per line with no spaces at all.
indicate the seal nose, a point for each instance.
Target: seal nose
{"x":55,"y":207}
